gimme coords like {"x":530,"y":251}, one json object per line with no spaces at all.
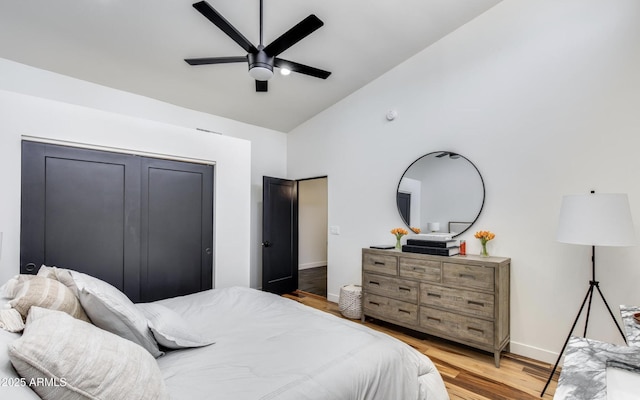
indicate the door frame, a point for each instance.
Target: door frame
{"x":282,"y":287}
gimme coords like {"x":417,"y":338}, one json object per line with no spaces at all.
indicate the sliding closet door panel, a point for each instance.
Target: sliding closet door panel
{"x":177,"y":228}
{"x":84,"y":216}
{"x":80,"y":211}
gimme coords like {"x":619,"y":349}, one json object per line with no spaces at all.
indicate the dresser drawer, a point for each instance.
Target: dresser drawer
{"x":456,"y":327}
{"x":391,"y":287}
{"x":470,"y":276}
{"x":379,"y":263}
{"x":425,"y":270}
{"x":466,"y":301}
{"x":390,"y":309}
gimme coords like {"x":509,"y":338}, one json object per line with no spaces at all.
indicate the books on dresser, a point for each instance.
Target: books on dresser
{"x":434,"y":236}
{"x":435,"y":251}
{"x":433,"y":243}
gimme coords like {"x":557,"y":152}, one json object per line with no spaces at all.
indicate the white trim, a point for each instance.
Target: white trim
{"x":533,"y":352}
{"x":114,"y":149}
{"x":310,"y":265}
{"x":334,"y":298}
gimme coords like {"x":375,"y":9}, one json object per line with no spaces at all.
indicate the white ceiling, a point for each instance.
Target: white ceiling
{"x":139,"y":46}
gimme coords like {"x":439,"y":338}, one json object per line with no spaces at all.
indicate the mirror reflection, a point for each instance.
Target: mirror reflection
{"x":441,"y":192}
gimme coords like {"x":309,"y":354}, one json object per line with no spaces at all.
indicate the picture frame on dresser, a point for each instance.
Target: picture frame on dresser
{"x":465,"y":299}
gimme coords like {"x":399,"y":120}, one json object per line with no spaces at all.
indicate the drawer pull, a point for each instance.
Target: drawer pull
{"x":406,"y":289}
{"x":475,"y":303}
{"x":404,"y":311}
{"x":434,"y":295}
{"x":468,"y":276}
{"x":374,"y":283}
{"x":419,"y":269}
{"x":378,"y":263}
{"x":438,"y":320}
{"x":374,"y":303}
{"x":481,"y":331}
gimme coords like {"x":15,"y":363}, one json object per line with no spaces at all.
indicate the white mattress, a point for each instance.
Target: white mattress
{"x":269,"y":347}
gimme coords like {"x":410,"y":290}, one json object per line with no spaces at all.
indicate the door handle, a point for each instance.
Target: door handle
{"x":208,"y":250}
{"x":266,"y":244}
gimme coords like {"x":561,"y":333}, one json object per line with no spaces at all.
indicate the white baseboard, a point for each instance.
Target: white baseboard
{"x":314,"y":264}
{"x":334,"y":298}
{"x":533,"y":352}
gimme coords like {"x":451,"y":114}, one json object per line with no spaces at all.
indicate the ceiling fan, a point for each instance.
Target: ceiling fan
{"x":262,"y":59}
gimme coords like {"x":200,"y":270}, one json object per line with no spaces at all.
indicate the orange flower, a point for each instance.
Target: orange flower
{"x":415,"y":230}
{"x":484,"y":236}
{"x":399,"y":232}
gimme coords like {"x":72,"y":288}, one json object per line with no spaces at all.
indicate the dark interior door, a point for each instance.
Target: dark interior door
{"x":176,"y":228}
{"x":131,"y":221}
{"x":404,"y":205}
{"x":279,"y":235}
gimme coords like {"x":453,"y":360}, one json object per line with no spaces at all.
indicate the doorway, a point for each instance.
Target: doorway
{"x":312,"y":235}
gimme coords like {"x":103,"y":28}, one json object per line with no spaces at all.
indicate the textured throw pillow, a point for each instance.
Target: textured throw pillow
{"x":111,"y":310}
{"x":64,"y":358}
{"x":170,"y":329}
{"x":30,"y":290}
{"x":61,"y":275}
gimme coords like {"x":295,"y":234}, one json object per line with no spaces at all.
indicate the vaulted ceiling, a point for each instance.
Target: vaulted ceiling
{"x":139,"y":46}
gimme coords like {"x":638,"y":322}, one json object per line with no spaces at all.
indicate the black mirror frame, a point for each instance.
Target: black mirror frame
{"x":443,"y":153}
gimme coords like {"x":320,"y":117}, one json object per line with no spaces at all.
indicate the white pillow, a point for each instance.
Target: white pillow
{"x":63,"y":358}
{"x":170,"y":329}
{"x":111,"y":310}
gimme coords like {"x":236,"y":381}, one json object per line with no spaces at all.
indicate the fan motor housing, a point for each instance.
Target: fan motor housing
{"x":263,"y":63}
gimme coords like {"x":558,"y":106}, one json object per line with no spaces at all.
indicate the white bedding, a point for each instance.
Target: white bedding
{"x":269,"y":347}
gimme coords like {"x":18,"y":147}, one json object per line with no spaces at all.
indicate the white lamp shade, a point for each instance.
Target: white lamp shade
{"x":433,"y":226}
{"x":596,"y":219}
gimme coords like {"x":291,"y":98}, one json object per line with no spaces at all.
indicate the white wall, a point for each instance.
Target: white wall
{"x":312,"y":223}
{"x":268,"y":147}
{"x":543,"y":97}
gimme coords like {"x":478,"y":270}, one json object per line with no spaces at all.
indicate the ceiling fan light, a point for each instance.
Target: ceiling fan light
{"x":285,"y":71}
{"x":261,"y":73}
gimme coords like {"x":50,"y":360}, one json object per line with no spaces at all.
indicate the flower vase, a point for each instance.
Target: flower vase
{"x":483,"y":252}
{"x":398,"y":243}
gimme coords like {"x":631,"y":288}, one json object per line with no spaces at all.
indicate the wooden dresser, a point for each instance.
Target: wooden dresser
{"x":461,"y":298}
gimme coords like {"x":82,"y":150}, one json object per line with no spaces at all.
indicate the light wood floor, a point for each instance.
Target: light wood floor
{"x":469,"y":374}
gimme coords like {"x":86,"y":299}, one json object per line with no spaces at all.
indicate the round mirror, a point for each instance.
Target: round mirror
{"x":441,"y":192}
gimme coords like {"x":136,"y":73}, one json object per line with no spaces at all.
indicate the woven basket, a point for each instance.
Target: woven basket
{"x":350,"y":303}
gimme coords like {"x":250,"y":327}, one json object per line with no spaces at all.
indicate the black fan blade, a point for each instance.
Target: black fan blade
{"x":224,"y":25}
{"x":301,"y":68}
{"x":215,"y":60}
{"x":303,"y":29}
{"x":262,"y":86}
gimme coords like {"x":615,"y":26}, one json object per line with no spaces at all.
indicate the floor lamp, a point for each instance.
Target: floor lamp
{"x":594,"y":219}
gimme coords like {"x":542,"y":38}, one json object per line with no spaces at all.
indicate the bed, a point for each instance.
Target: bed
{"x":232,"y":343}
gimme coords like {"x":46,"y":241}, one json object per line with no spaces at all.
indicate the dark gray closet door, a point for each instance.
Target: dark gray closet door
{"x":177,"y":204}
{"x":144,"y":225}
{"x":80,"y":210}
